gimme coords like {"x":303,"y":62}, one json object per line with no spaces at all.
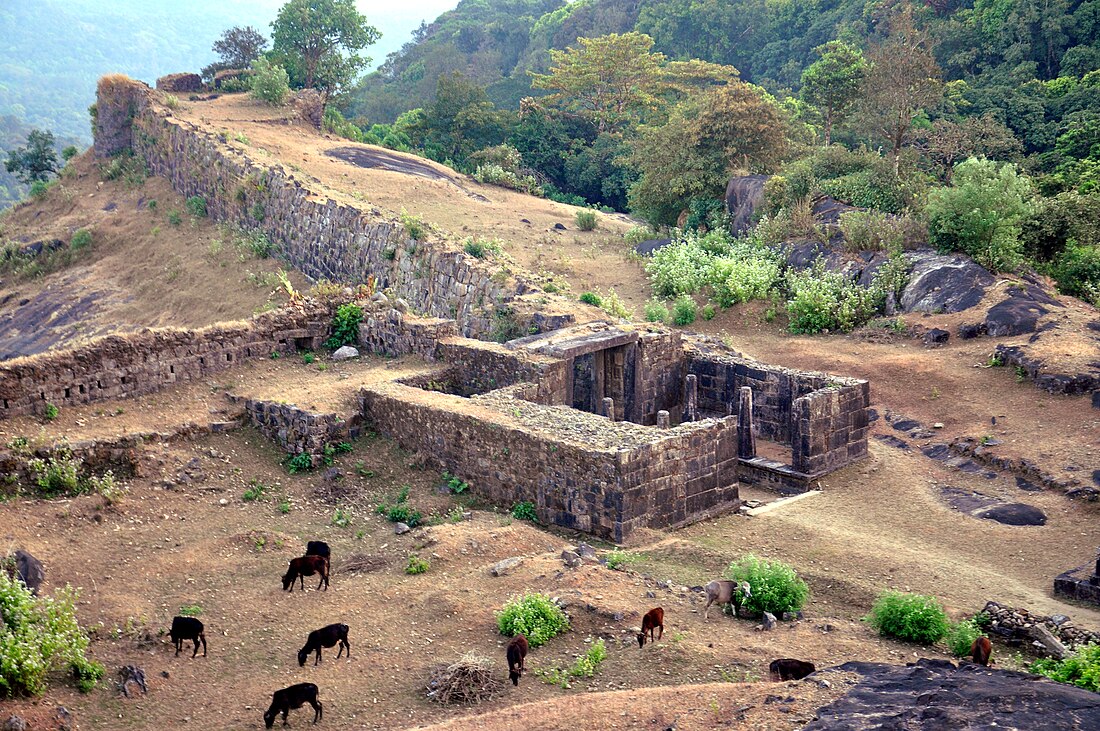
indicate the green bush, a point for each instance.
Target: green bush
{"x":39,"y":188}
{"x":736,"y":280}
{"x":525,"y":511}
{"x":585,"y":666}
{"x":876,"y":189}
{"x":681,"y":267}
{"x":533,"y":615}
{"x":417,"y":565}
{"x":909,"y":617}
{"x":776,"y":588}
{"x":175,"y":218}
{"x":345,"y":326}
{"x":655,"y":311}
{"x":871,"y":231}
{"x":196,"y":206}
{"x":37,"y":635}
{"x":299,"y":463}
{"x":69,"y":153}
{"x":961,"y":637}
{"x":614,"y":306}
{"x":709,"y":312}
{"x":980,"y":213}
{"x":586,"y":220}
{"x":591,"y":298}
{"x":51,"y":412}
{"x":822,"y":300}
{"x":481,"y":248}
{"x":492,"y":174}
{"x":269,"y":82}
{"x":617,"y":560}
{"x":399,"y":511}
{"x":1081,"y":669}
{"x":82,"y":238}
{"x":58,"y":474}
{"x":684,"y":310}
{"x":1077,"y":272}
{"x":414,"y":226}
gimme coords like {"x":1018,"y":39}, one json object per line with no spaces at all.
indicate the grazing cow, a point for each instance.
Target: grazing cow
{"x":187,"y":628}
{"x":294,"y":696}
{"x":653,"y":619}
{"x":305,"y":566}
{"x":981,"y":651}
{"x":727,"y":592}
{"x":517,"y":651}
{"x":29,"y":570}
{"x":790,"y":669}
{"x":318,"y":548}
{"x":325,"y":637}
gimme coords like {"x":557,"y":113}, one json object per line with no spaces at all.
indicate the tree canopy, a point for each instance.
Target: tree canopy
{"x":320,"y":42}
{"x":35,"y":161}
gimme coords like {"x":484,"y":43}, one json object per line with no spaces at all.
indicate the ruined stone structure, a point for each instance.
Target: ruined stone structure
{"x":1081,"y":583}
{"x":124,"y":366}
{"x":322,"y":238}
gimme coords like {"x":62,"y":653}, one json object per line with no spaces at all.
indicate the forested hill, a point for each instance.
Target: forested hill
{"x":996,"y":45}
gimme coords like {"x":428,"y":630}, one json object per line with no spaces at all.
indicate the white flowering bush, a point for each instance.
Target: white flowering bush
{"x":733,"y":280}
{"x":679,"y":268}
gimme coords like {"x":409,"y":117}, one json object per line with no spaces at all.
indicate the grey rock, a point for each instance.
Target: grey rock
{"x":743,"y":194}
{"x":936,"y":336}
{"x":401,"y":528}
{"x":585,"y":551}
{"x":650,"y":595}
{"x":345,"y":352}
{"x":570,"y":559}
{"x":401,"y":305}
{"x":1014,"y":514}
{"x":64,"y":719}
{"x":501,"y":568}
{"x":942,"y":283}
{"x":792,"y":616}
{"x":769,"y":622}
{"x":15,"y":723}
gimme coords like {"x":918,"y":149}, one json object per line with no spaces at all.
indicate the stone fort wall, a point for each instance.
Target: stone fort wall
{"x":320,"y":237}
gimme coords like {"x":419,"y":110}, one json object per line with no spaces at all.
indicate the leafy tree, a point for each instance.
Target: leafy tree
{"x":460,"y":121}
{"x":946,"y":143}
{"x":270,"y":82}
{"x":981,"y":212}
{"x":611,"y":80}
{"x":36,"y":160}
{"x":733,"y":128}
{"x":321,"y":40}
{"x":237,"y":48}
{"x":832,"y":83}
{"x":903,"y":81}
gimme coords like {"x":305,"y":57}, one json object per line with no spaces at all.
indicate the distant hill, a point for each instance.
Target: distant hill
{"x":54,"y":50}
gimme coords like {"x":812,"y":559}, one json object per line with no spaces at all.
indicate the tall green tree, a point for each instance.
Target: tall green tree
{"x":36,"y":160}
{"x":832,"y":83}
{"x":612,"y":80}
{"x":237,"y":48}
{"x":903,"y":81}
{"x":460,"y":120}
{"x":320,"y":42}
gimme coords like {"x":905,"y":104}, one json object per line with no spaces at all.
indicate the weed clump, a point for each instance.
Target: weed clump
{"x":909,"y":617}
{"x":776,"y":588}
{"x":534,"y":615}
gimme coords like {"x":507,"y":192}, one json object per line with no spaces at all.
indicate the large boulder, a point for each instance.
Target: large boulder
{"x":1014,"y":514}
{"x":944,"y":283}
{"x":310,"y":106}
{"x":743,"y":195}
{"x":180,"y":83}
{"x":29,"y":570}
{"x":932,"y":695}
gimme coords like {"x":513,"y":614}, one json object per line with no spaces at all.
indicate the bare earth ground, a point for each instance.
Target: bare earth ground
{"x":140,"y":271}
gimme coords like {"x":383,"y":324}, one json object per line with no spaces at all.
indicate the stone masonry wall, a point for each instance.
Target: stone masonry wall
{"x":125,"y":366}
{"x":319,"y":236}
{"x":829,"y":428}
{"x":663,"y":478}
{"x":294,"y":429}
{"x":660,"y":377}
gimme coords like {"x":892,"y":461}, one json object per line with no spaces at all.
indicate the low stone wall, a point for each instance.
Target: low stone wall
{"x":320,"y":237}
{"x":296,"y":430}
{"x":824,"y":418}
{"x":125,"y":366}
{"x":656,"y":478}
{"x":393,"y":333}
{"x":1015,"y":624}
{"x":1081,"y":584}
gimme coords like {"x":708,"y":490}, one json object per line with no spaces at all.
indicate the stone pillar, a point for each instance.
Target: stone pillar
{"x":746,"y":441}
{"x":692,"y":388}
{"x":662,"y":419}
{"x":609,"y":408}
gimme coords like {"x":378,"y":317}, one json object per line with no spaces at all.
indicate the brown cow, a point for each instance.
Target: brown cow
{"x":981,"y":651}
{"x":653,"y":619}
{"x":305,"y":566}
{"x":790,"y":669}
{"x":517,"y":651}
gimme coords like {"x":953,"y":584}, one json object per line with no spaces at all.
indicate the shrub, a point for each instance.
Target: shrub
{"x":586,"y":220}
{"x":871,"y":231}
{"x":345,"y":326}
{"x":1077,"y":272}
{"x":196,"y":206}
{"x":980,"y":213}
{"x":107,"y":487}
{"x":455,"y":484}
{"x":585,"y":666}
{"x":614,"y":306}
{"x":37,"y":635}
{"x":823,"y":300}
{"x":492,"y":174}
{"x":709,"y":312}
{"x":414,"y":226}
{"x":909,"y":617}
{"x":269,"y":82}
{"x":82,"y":238}
{"x":525,"y":511}
{"x":481,"y":248}
{"x":341,"y":518}
{"x":681,"y":267}
{"x":191,"y":610}
{"x":655,"y":311}
{"x":591,"y":298}
{"x":776,"y":588}
{"x":51,"y":412}
{"x":736,"y":280}
{"x":961,"y":637}
{"x":39,"y":188}
{"x":637,"y":234}
{"x":618,"y":560}
{"x":535,"y":616}
{"x":175,"y":218}
{"x":299,"y":463}
{"x":399,"y":511}
{"x":1081,"y":669}
{"x":58,"y":474}
{"x":69,"y":153}
{"x":255,"y":491}
{"x":417,"y":565}
{"x":684,"y":310}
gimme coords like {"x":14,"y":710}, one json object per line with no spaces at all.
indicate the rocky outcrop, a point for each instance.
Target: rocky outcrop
{"x":310,"y":106}
{"x":180,"y":83}
{"x":933,"y":695}
{"x":743,"y":195}
{"x":944,"y":283}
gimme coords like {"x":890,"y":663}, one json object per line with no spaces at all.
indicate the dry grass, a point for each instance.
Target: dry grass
{"x":469,"y":680}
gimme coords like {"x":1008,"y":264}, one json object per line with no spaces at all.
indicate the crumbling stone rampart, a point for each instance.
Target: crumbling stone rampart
{"x":322,"y":238}
{"x":124,"y":366}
